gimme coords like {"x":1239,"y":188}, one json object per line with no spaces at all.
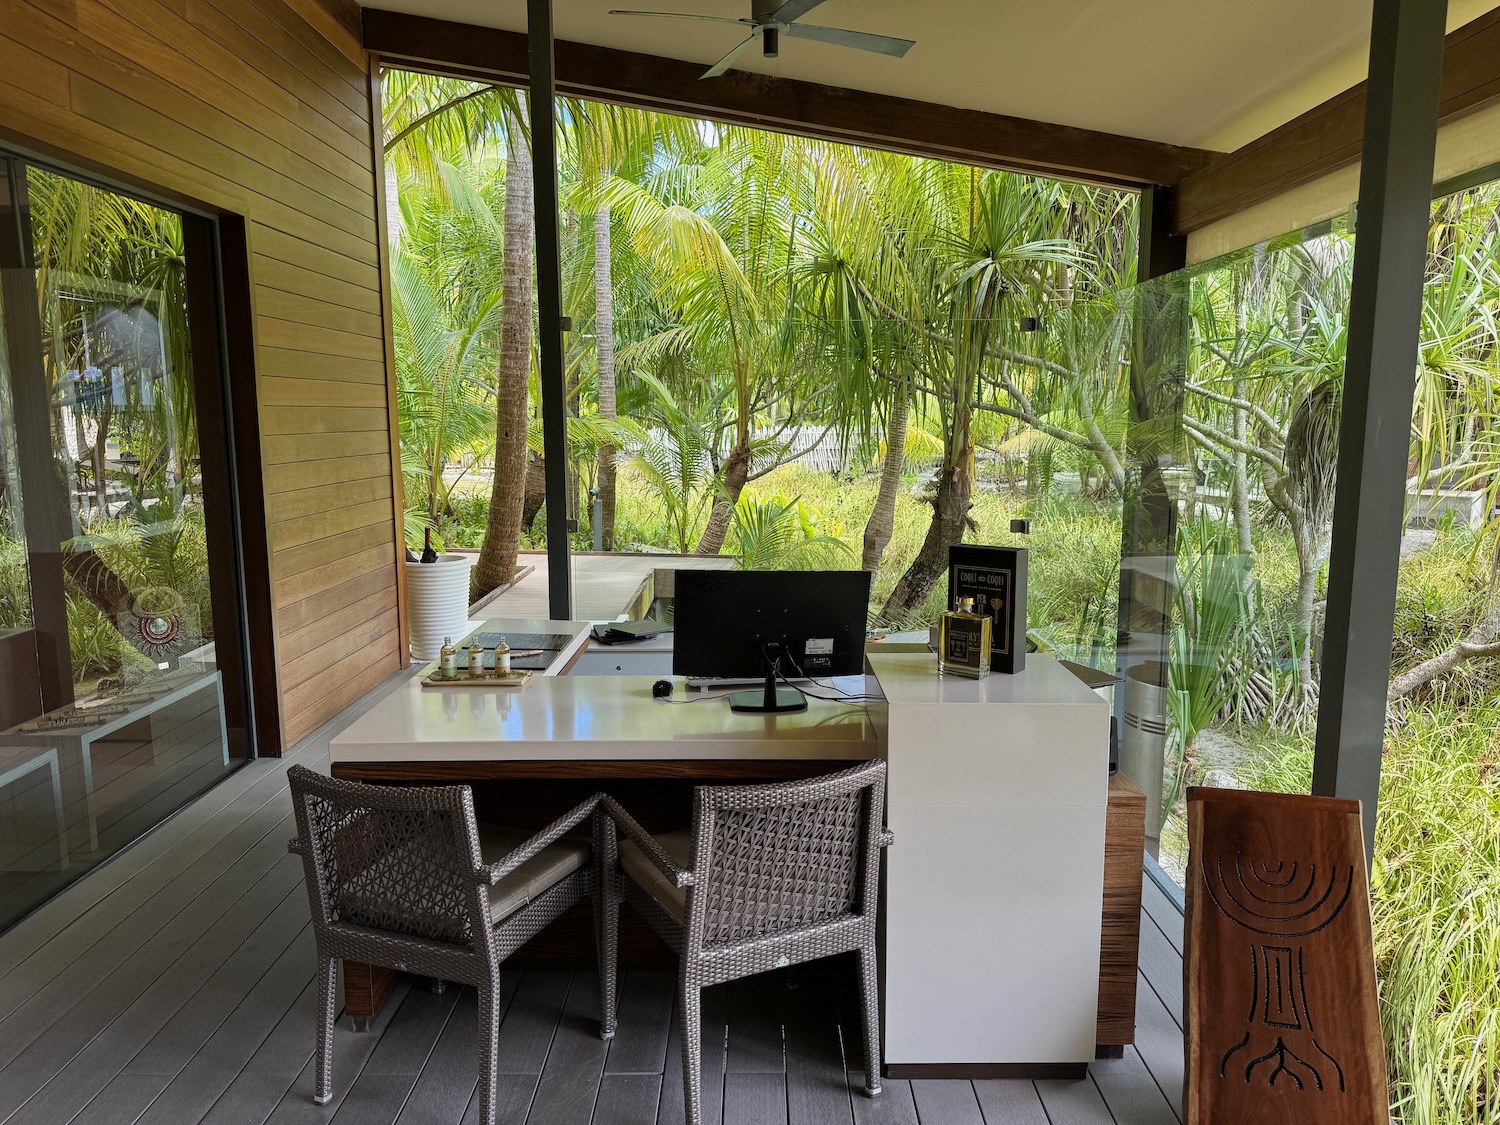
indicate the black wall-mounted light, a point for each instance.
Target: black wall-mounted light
{"x":1031,"y":324}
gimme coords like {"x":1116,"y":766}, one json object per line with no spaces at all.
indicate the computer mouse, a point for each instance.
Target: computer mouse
{"x":662,"y":689}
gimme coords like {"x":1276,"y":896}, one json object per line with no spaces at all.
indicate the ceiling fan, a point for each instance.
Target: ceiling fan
{"x":770,"y":18}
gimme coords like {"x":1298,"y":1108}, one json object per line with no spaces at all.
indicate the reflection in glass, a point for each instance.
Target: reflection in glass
{"x":129,"y":721}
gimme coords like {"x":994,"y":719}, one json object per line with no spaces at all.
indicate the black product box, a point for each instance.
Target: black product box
{"x":995,"y":577}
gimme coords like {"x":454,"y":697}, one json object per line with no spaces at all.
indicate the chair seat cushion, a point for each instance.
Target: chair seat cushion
{"x":536,"y":876}
{"x":679,"y":849}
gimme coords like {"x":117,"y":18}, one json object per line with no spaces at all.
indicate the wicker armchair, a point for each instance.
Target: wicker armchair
{"x":405,"y":878}
{"x":769,"y":876}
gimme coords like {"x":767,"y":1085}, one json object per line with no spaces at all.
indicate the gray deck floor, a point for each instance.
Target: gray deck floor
{"x":174,"y":986}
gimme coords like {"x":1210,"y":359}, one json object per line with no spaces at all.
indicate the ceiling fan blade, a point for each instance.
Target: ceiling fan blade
{"x":792,"y":10}
{"x":676,"y":15}
{"x":733,"y":57}
{"x":859,"y":40}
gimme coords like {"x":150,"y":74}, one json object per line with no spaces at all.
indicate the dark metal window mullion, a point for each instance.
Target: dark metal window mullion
{"x":1385,"y":310}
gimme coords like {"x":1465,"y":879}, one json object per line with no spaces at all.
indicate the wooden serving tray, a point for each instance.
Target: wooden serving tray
{"x":464,"y":679}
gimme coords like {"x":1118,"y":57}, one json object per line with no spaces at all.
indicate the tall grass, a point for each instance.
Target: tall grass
{"x":1436,"y":902}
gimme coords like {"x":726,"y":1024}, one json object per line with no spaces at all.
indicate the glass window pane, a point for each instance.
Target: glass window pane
{"x":103,"y":525}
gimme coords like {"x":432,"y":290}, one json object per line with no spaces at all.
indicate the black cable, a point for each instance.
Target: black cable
{"x":842,"y":697}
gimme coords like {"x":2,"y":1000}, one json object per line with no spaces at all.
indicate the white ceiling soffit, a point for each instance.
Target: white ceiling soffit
{"x":1206,"y":73}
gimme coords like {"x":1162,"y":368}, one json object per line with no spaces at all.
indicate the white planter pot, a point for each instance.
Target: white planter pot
{"x":437,"y":603}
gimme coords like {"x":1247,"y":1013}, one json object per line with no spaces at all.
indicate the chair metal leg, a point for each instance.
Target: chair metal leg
{"x":690,"y":998}
{"x":869,"y":988}
{"x":327,"y":999}
{"x":489,"y":1048}
{"x":607,"y":895}
{"x":607,"y":939}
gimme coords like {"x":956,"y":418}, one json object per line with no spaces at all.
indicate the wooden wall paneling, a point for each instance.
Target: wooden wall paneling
{"x":315,"y":614}
{"x":293,"y":364}
{"x":1329,"y":136}
{"x":261,"y":109}
{"x":319,"y":392}
{"x":325,"y":146}
{"x":293,"y":477}
{"x":298,"y":561}
{"x":288,"y":277}
{"x":328,"y":420}
{"x":293,"y":590}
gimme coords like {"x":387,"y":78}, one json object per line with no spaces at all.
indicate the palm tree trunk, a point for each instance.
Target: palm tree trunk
{"x":604,"y":331}
{"x":882,"y":523}
{"x":535,"y":491}
{"x":502,"y":535}
{"x":736,"y":473}
{"x":950,"y":519}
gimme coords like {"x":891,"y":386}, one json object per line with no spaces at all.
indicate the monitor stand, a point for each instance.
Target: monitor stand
{"x":770,"y":699}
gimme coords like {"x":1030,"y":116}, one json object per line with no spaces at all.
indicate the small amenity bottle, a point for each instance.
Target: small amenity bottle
{"x":964,"y":639}
{"x":476,"y":659}
{"x":502,"y":658}
{"x":448,"y":657}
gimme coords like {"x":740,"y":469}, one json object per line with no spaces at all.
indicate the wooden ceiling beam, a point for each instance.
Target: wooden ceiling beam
{"x":784,"y":105}
{"x":1329,"y":136}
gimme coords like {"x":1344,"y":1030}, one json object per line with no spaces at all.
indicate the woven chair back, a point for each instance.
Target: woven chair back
{"x":776,"y":858}
{"x":401,"y":860}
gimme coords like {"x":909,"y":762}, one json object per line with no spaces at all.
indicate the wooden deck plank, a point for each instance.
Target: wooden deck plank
{"x":530,"y":1022}
{"x":266,"y":1092}
{"x":1161,"y":965}
{"x":1073,"y":1102}
{"x":1158,"y":1041}
{"x":1163,"y":911}
{"x":101,"y":1032}
{"x":755,"y":1026}
{"x":191,"y":1093}
{"x":575,"y":1064}
{"x":627,"y":1098}
{"x":351,"y":1051}
{"x":451,"y":1074}
{"x":1131,"y":1092}
{"x":951,"y":1101}
{"x":644,"y":1023}
{"x":714,"y":1034}
{"x":817,"y":1086}
{"x":754,"y":1098}
{"x":1012,"y":1102}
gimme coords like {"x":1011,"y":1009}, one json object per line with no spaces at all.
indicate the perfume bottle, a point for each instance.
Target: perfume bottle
{"x":448,"y":658}
{"x":476,"y":659}
{"x":964,"y":639}
{"x":502,"y":658}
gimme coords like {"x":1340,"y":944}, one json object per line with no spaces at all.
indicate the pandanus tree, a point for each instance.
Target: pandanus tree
{"x":988,"y":241}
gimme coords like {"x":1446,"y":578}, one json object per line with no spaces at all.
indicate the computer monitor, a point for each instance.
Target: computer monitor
{"x":780,"y":624}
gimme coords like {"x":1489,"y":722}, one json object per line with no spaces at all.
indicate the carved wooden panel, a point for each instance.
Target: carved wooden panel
{"x":1282,"y":1021}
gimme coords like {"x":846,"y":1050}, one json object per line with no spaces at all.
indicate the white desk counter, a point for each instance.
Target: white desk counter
{"x":593,"y":718}
{"x":997,"y":795}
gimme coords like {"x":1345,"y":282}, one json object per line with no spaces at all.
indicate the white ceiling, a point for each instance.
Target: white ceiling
{"x":1208,"y":73}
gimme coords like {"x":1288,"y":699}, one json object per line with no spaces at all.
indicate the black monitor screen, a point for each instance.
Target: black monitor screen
{"x":725,"y":619}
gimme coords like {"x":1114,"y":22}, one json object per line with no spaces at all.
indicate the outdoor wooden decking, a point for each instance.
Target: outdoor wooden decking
{"x":604,"y":586}
{"x":174,"y":986}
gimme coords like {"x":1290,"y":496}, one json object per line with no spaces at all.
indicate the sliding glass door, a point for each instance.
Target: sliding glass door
{"x":117,"y":568}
